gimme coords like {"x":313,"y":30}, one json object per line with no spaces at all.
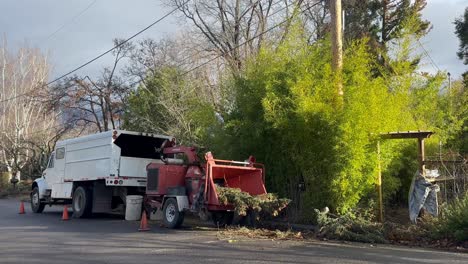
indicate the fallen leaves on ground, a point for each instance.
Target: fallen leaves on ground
{"x":234,"y":233}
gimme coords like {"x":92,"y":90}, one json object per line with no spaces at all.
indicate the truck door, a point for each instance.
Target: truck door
{"x":61,"y":188}
{"x":49,"y":173}
{"x":60,"y":164}
{"x":56,"y":167}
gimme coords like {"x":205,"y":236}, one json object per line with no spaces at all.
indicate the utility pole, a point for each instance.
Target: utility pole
{"x":337,"y":43}
{"x":449,"y":82}
{"x":450,"y":92}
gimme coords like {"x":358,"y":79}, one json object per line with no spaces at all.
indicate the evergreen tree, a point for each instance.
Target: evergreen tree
{"x":383,"y":21}
{"x":461,"y":30}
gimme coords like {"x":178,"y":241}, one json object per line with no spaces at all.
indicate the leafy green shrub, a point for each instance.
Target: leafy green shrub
{"x":287,"y":113}
{"x":283,"y":108}
{"x":453,"y":221}
{"x":351,"y":226}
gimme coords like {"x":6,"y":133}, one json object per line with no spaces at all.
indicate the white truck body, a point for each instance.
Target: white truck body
{"x":114,"y":158}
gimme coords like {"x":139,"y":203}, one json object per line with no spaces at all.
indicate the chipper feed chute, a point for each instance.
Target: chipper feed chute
{"x":247,"y":176}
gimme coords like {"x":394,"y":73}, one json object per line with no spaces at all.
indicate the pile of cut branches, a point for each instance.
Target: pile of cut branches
{"x":259,"y":233}
{"x":243,"y":202}
{"x":350,"y":226}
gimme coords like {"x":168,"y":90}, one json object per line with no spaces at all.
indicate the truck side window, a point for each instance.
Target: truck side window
{"x":60,"y":153}
{"x":51,"y":161}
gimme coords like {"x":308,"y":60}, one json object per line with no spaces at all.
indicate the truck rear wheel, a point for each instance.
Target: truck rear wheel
{"x":36,"y":205}
{"x":173,"y":218}
{"x":82,"y":202}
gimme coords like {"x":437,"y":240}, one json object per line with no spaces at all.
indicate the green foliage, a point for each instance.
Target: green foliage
{"x":267,"y":204}
{"x":461,"y":30}
{"x":401,"y":163}
{"x":283,"y":108}
{"x":351,"y":226}
{"x":453,"y":220}
{"x":453,"y":125}
{"x":287,"y":113}
{"x":383,"y":22}
{"x":169,"y":104}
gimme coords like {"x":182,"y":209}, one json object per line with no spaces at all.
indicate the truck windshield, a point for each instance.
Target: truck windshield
{"x":137,"y":146}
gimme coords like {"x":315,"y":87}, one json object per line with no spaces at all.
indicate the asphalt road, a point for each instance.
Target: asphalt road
{"x":44,"y":238}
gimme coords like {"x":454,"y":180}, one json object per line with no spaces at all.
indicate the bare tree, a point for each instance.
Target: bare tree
{"x":28,"y":129}
{"x":97,"y":103}
{"x":149,"y":57}
{"x":317,"y":18}
{"x":227,"y":24}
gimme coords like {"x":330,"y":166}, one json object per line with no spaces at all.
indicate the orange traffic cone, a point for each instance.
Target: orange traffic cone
{"x":65,"y":213}
{"x":21,"y":211}
{"x":144,"y":222}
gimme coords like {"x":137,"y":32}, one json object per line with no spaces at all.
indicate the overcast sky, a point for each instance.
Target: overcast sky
{"x":83,"y":37}
{"x":441,"y":43}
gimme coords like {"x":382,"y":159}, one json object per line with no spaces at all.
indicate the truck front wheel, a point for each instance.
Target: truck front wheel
{"x":36,"y":205}
{"x":173,"y":218}
{"x":82,"y":202}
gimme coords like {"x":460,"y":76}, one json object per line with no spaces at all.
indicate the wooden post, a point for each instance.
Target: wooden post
{"x":379,"y":183}
{"x":421,"y":157}
{"x":337,"y":43}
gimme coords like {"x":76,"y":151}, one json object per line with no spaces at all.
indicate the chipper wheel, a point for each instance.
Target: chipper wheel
{"x":172,"y":217}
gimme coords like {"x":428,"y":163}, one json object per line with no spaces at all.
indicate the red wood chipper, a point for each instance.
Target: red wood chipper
{"x":182,"y":184}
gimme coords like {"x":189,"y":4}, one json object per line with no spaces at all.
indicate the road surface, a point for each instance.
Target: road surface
{"x":44,"y":238}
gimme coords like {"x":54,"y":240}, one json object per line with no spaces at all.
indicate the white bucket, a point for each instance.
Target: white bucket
{"x":133,"y":208}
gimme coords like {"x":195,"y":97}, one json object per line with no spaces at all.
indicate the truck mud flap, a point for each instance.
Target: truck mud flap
{"x":102,"y":198}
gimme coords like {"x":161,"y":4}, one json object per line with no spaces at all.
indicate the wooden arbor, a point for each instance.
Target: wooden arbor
{"x":420,"y":136}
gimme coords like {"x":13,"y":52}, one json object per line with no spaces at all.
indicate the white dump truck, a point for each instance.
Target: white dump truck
{"x":95,"y":173}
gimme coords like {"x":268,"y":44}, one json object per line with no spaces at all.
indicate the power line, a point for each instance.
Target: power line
{"x":247,"y":41}
{"x":24,"y":94}
{"x":241,"y":44}
{"x":429,"y":56}
{"x":102,"y":54}
{"x":71,"y":20}
{"x":117,"y":46}
{"x":182,"y":62}
{"x":14,"y":97}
